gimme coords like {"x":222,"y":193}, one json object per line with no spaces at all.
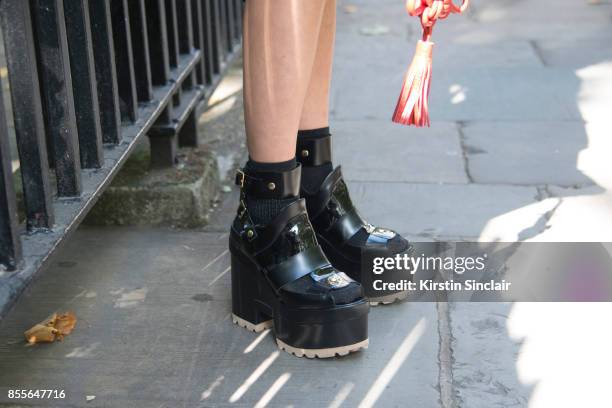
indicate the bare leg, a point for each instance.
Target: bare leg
{"x":280,"y":44}
{"x":315,"y":113}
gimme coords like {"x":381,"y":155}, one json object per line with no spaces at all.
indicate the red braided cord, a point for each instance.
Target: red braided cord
{"x":432,"y":10}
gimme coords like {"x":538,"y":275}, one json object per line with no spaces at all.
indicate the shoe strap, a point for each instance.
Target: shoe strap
{"x":270,"y":185}
{"x":339,"y":227}
{"x":314,"y":152}
{"x":300,"y":264}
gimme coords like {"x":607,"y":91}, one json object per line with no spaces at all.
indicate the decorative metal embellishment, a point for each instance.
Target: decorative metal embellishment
{"x":305,"y":153}
{"x":338,"y":280}
{"x":271,"y":186}
{"x":379,"y":232}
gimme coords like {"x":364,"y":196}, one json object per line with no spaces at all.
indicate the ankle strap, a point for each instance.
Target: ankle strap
{"x":274,"y":185}
{"x":314,"y":152}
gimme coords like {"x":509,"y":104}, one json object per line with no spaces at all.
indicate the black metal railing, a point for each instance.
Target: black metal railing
{"x":87,"y":79}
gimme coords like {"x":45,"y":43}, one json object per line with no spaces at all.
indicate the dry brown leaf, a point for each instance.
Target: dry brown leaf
{"x":40,"y":334}
{"x":55,"y":327}
{"x":65,"y":323}
{"x":49,"y":321}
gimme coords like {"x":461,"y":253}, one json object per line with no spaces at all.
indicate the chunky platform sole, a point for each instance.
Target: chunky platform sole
{"x":303,"y":332}
{"x":355,"y":271}
{"x":388,"y":299}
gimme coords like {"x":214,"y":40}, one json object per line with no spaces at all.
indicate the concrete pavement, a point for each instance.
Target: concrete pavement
{"x":518,"y":149}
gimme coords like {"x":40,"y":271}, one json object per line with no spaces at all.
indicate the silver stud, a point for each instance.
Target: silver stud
{"x":271,"y":186}
{"x":305,"y":153}
{"x":250,"y":233}
{"x":337,"y":281}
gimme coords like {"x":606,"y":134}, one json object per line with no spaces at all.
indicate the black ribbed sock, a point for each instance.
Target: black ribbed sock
{"x":263,"y":210}
{"x":313,"y":176}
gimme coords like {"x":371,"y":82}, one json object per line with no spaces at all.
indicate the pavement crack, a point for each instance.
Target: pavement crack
{"x":540,"y":225}
{"x":464,"y":151}
{"x":537,"y":50}
{"x":445,"y":356}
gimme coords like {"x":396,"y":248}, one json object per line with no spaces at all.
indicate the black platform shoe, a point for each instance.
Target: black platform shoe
{"x":282,"y":279}
{"x":342,"y":233}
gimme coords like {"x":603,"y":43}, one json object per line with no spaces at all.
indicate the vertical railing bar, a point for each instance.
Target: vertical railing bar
{"x":106,"y":73}
{"x":56,"y":85}
{"x":16,"y":22}
{"x":198,"y":40}
{"x":222,"y":18}
{"x":176,"y":98}
{"x":230,"y":25}
{"x":140,"y":46}
{"x":209,"y":57}
{"x":239,"y":19}
{"x":10,"y":244}
{"x":173,"y":41}
{"x":84,"y":82}
{"x":185,"y":24}
{"x":124,"y":60}
{"x":215,"y":36}
{"x":158,"y":42}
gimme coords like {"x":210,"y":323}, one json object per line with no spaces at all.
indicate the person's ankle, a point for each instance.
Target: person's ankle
{"x":264,"y":210}
{"x":314,"y":153}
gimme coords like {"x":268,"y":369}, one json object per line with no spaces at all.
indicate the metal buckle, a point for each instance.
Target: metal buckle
{"x":240,"y":181}
{"x":241,"y":209}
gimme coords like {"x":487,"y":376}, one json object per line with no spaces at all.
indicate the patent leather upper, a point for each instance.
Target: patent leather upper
{"x":332,"y":212}
{"x":334,"y":216}
{"x":286,"y":249}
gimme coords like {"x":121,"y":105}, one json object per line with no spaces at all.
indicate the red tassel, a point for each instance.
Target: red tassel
{"x":412,"y":106}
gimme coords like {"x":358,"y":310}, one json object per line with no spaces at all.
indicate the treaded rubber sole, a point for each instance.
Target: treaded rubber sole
{"x":388,"y":299}
{"x":300,"y":352}
{"x":323,"y":353}
{"x":256,"y":328}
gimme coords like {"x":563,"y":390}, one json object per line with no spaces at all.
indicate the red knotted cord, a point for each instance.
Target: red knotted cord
{"x":412,"y":106}
{"x":431,"y":11}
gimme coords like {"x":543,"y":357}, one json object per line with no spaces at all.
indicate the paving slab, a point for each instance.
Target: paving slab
{"x":154,"y":329}
{"x":397,"y":153}
{"x":480,"y":93}
{"x":583,"y":216}
{"x":526,"y":152}
{"x":447,"y":211}
{"x":484,"y":366}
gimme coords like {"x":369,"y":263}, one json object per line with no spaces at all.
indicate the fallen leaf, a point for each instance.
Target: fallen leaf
{"x":49,"y":321}
{"x":90,"y":398}
{"x":54,"y":327}
{"x":65,"y":323}
{"x":40,"y":334}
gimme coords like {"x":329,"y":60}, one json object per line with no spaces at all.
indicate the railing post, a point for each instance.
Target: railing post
{"x":56,"y":85}
{"x":207,"y":44}
{"x":172,"y":30}
{"x":198,"y":39}
{"x":106,"y":73}
{"x":10,"y":246}
{"x":140,"y":45}
{"x":164,"y":147}
{"x":215,"y":35}
{"x":84,"y":82}
{"x":124,"y":59}
{"x":158,"y":44}
{"x":20,"y":54}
